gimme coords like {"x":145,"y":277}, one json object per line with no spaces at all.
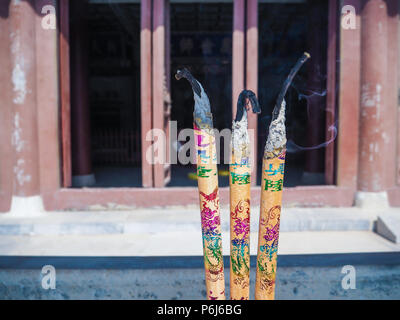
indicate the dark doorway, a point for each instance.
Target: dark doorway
{"x":113,"y":49}
{"x":201,"y":39}
{"x":286,"y":30}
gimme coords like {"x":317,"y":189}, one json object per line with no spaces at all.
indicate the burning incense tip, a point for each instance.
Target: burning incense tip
{"x":202,"y":109}
{"x":178,"y":75}
{"x":240,"y":137}
{"x":271,"y":194}
{"x":276,"y":140}
{"x":245,"y":97}
{"x":288,"y":82}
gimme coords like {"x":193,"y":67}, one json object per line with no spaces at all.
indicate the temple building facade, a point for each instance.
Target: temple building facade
{"x":84,"y":83}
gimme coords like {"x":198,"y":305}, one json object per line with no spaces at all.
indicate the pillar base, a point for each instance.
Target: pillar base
{"x":372,"y":200}
{"x":27,"y":206}
{"x":85,"y":180}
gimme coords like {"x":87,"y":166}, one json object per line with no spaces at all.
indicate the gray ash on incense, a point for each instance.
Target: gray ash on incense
{"x":240,"y":140}
{"x":202,"y":109}
{"x":276,"y":140}
{"x":240,"y":136}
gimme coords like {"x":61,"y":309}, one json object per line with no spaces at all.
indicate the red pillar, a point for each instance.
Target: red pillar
{"x":6,"y":93}
{"x":146,"y":87}
{"x":24,"y":134}
{"x":377,"y":130}
{"x":238,"y":54}
{"x":82,"y":174}
{"x":252,"y":77}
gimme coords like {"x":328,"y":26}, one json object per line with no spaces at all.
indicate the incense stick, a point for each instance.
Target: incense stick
{"x":207,"y":179}
{"x":239,"y":187}
{"x":271,"y":194}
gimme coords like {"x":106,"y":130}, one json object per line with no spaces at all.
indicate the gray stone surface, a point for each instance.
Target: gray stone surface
{"x":372,"y":282}
{"x":187,"y":243}
{"x":388,"y":226}
{"x":177,"y":219}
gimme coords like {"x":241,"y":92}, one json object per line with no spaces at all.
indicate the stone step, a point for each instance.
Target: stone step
{"x":177,"y":220}
{"x":187,"y":243}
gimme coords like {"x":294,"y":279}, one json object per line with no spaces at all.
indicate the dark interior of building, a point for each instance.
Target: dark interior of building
{"x":201,"y":39}
{"x":114,"y":78}
{"x":285,"y":32}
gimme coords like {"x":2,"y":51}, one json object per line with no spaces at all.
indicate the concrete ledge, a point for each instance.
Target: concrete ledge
{"x":293,"y":282}
{"x":187,"y":243}
{"x":372,"y":200}
{"x":176,"y":220}
{"x":388,"y":226}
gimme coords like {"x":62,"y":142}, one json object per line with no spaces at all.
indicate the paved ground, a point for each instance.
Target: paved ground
{"x":176,"y":231}
{"x":187,"y":244}
{"x":371,"y":282}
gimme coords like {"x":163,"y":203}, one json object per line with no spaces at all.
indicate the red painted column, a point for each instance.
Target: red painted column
{"x":331,"y":85}
{"x":252,"y":76}
{"x":159,"y":52}
{"x":377,"y":130}
{"x":146,"y":88}
{"x":65,"y":92}
{"x":392,"y":89}
{"x":6,"y":93}
{"x":24,"y":133}
{"x":82,"y":174}
{"x":47,"y":96}
{"x":238,"y":52}
{"x":349,"y":102}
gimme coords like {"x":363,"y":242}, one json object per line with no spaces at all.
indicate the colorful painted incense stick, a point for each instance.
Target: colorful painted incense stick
{"x":239,"y":183}
{"x":271,"y":194}
{"x":207,"y":178}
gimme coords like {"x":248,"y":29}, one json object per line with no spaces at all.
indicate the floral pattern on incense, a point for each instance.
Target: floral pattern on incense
{"x":240,"y":251}
{"x":240,"y":173}
{"x":272,"y":186}
{"x":209,"y":208}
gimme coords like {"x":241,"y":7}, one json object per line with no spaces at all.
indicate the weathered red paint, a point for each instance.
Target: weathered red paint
{"x":392,"y":85}
{"x":159,"y":80}
{"x":331,"y":93}
{"x":252,"y":74}
{"x":65,"y":93}
{"x":22,"y":39}
{"x":167,"y":92}
{"x":349,"y":78}
{"x":394,"y":196}
{"x":376,"y":126}
{"x":6,"y":151}
{"x":342,"y":195}
{"x":145,"y":88}
{"x":47,"y":100}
